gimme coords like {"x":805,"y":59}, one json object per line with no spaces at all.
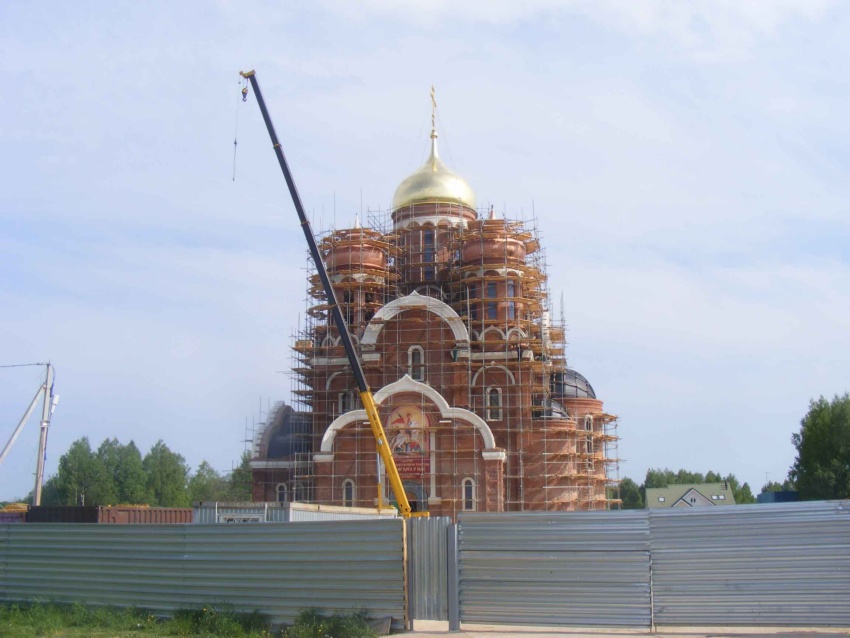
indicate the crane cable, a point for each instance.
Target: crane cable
{"x":236,"y":126}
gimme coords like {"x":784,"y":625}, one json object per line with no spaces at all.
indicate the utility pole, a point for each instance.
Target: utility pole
{"x":46,"y":412}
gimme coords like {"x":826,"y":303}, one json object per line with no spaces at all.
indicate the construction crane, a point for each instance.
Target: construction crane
{"x":365,"y":393}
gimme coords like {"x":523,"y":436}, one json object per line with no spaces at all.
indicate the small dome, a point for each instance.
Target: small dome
{"x":291,"y":436}
{"x":569,"y":384}
{"x":433,"y":182}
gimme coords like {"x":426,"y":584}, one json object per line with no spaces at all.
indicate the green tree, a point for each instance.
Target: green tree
{"x":821,"y":469}
{"x":773,"y":486}
{"x":658,"y":478}
{"x":713,"y":477}
{"x":127,"y":478}
{"x":666,"y":477}
{"x":683,"y":477}
{"x":82,"y":479}
{"x":207,"y":485}
{"x":130,"y":477}
{"x":240,"y":482}
{"x":630,"y":494}
{"x":742,"y":493}
{"x":167,"y":476}
{"x":108,"y":456}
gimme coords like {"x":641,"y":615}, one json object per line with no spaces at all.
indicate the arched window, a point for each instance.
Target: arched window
{"x":282,"y":494}
{"x":588,"y":439}
{"x":467,"y":486}
{"x":494,"y":404}
{"x":347,"y":401}
{"x":348,"y":493}
{"x":427,"y":246}
{"x":416,"y":363}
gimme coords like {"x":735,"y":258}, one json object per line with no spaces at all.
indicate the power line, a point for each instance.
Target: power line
{"x":23,"y":365}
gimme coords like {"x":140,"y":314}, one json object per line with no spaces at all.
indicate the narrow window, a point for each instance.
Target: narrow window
{"x":282,"y":495}
{"x":473,"y":311}
{"x":491,"y":289}
{"x":468,"y":488}
{"x":494,"y":404}
{"x":473,"y":291}
{"x":428,"y":246}
{"x":348,"y":493}
{"x":511,"y":310}
{"x":511,"y":289}
{"x":492,"y":310}
{"x":416,"y":363}
{"x":588,"y":426}
{"x":346,"y":401}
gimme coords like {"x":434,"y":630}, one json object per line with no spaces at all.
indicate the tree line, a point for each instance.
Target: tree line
{"x":821,"y":469}
{"x":118,"y":474}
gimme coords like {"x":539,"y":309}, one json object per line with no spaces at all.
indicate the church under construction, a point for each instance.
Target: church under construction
{"x":450,"y":312}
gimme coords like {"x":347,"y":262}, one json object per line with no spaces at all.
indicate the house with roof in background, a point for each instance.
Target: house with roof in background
{"x":690,"y":495}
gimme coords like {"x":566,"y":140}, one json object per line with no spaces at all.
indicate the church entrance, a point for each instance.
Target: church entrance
{"x":416,"y":496}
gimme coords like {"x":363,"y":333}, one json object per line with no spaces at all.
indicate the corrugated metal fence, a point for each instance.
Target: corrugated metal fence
{"x":427,"y":571}
{"x":279,"y":569}
{"x":782,"y":564}
{"x":545,"y":568}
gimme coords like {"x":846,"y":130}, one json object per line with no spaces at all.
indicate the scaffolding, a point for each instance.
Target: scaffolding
{"x":560,"y":453}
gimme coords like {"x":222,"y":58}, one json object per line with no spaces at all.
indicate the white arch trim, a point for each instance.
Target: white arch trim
{"x":491,"y":367}
{"x":499,"y":333}
{"x":517,"y":331}
{"x":406,"y":384}
{"x":410,"y":302}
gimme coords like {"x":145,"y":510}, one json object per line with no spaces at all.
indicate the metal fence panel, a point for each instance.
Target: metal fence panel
{"x":782,"y":564}
{"x":547,"y":568}
{"x":212,"y":512}
{"x":426,"y":542}
{"x":208,"y":512}
{"x":279,"y":569}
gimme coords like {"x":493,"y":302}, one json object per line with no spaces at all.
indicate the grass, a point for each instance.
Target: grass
{"x":310,"y":624}
{"x":55,"y":620}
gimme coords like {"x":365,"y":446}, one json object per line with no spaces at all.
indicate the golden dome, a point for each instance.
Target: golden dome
{"x":433,"y":183}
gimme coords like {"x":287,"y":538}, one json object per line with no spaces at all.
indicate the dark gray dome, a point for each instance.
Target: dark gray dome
{"x":569,"y":384}
{"x":291,"y":434}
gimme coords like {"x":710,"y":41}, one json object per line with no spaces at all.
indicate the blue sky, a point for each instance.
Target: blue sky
{"x":687,"y":164}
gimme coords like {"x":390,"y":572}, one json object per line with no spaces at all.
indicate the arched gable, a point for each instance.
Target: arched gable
{"x":414,"y":301}
{"x":406,"y":384}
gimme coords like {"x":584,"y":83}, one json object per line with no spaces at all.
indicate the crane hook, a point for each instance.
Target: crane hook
{"x":244,"y":93}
